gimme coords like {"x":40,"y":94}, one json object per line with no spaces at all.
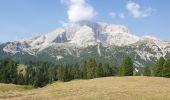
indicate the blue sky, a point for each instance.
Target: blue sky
{"x":21,"y":19}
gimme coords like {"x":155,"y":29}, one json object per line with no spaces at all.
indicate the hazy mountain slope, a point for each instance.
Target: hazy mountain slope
{"x":76,"y":42}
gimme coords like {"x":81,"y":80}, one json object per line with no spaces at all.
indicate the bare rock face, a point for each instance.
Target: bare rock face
{"x":100,"y":40}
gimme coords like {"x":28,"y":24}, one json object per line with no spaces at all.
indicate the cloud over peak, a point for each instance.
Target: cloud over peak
{"x":79,"y":10}
{"x":134,"y":9}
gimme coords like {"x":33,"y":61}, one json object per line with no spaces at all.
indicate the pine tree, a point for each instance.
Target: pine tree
{"x":60,"y":73}
{"x":126,"y":68}
{"x":69,"y":73}
{"x":21,"y":79}
{"x":99,"y":70}
{"x":159,"y":67}
{"x":166,"y":69}
{"x":52,"y":74}
{"x":114,"y":70}
{"x":41,"y":77}
{"x":107,"y":70}
{"x":121,"y":71}
{"x":91,"y":66}
{"x":147,"y":71}
{"x":8,"y":72}
{"x":75,"y":71}
{"x":84,"y":70}
{"x":66,"y":74}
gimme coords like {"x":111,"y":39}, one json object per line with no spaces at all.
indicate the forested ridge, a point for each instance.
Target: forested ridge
{"x":40,"y":74}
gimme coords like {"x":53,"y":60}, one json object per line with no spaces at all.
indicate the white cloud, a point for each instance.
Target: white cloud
{"x":134,"y":9}
{"x":79,"y":10}
{"x":112,"y":14}
{"x":122,"y":15}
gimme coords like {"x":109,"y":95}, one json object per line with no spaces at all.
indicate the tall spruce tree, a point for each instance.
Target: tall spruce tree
{"x":107,"y":70}
{"x":8,"y":72}
{"x":99,"y":70}
{"x":75,"y":71}
{"x":147,"y":71}
{"x":159,"y":67}
{"x":166,"y":69}
{"x":52,"y":74}
{"x":114,"y":70}
{"x":84,"y":70}
{"x":126,"y":68}
{"x":91,"y":66}
{"x":60,"y":73}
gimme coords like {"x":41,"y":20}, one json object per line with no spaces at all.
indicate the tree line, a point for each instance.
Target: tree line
{"x":39,"y":74}
{"x":160,"y":69}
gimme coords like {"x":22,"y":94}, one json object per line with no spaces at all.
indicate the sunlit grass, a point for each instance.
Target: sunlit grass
{"x":110,"y":88}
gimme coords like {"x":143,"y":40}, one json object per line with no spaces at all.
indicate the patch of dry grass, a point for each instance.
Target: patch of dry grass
{"x":12,"y":87}
{"x":9,"y":90}
{"x":21,"y":68}
{"x":110,"y":88}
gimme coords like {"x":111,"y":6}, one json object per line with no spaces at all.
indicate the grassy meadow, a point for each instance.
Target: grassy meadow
{"x":108,"y":88}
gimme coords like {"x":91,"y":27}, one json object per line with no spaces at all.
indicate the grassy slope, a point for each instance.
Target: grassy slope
{"x":9,"y":90}
{"x":110,"y":88}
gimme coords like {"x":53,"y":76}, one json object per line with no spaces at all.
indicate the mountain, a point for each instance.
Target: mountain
{"x":78,"y":41}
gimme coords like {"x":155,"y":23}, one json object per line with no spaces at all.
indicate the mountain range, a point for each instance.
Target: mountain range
{"x":76,"y":42}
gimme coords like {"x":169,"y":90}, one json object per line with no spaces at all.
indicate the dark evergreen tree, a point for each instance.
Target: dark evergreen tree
{"x":166,"y":69}
{"x":107,"y":70}
{"x":52,"y":74}
{"x":8,"y":72}
{"x":84,"y":70}
{"x":41,"y":77}
{"x":67,"y":74}
{"x":21,"y":79}
{"x":159,"y":67}
{"x":61,"y":73}
{"x":75,"y":71}
{"x":114,"y":70}
{"x":99,"y":70}
{"x":126,"y":68}
{"x":121,"y":71}
{"x":147,"y":71}
{"x":91,"y":66}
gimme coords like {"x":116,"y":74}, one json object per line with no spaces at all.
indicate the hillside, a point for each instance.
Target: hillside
{"x":110,"y":88}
